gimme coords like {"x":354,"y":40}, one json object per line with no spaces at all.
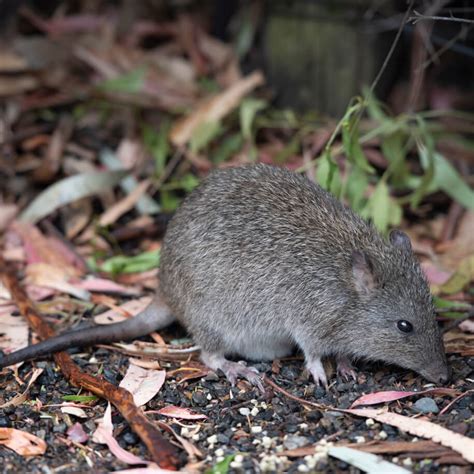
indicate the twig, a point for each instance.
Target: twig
{"x":392,"y":48}
{"x":419,"y":17}
{"x":449,"y":405}
{"x":319,"y":406}
{"x":161,"y":450}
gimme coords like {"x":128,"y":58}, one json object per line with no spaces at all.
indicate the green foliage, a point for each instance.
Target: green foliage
{"x":248,"y":110}
{"x":80,"y":398}
{"x":158,"y":145}
{"x":223,"y":466}
{"x":124,"y":264}
{"x":130,"y":83}
{"x":398,"y":136}
{"x":203,"y":134}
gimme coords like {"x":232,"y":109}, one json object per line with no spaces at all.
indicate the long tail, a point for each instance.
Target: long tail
{"x":154,"y":317}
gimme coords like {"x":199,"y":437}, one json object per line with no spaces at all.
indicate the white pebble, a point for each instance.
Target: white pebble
{"x":254,"y":411}
{"x":407,"y":462}
{"x":212,"y":439}
{"x":303,"y":468}
{"x":244,"y":411}
{"x":219,"y":452}
{"x":267,"y":442}
{"x":369,"y":422}
{"x":383,"y":435}
{"x":256,"y":429}
{"x":359,"y":439}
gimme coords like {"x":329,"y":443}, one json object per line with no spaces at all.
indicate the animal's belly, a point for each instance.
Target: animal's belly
{"x":257,"y":348}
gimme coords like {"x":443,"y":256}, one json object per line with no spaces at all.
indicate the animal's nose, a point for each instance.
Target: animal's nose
{"x":444,"y":378}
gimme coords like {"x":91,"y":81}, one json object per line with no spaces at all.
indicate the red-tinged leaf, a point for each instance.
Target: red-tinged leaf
{"x":435,"y":275}
{"x":392,"y":395}
{"x":182,"y":413}
{"x":104,"y":435}
{"x":23,"y":443}
{"x":77,"y":434}
{"x":102,"y":285}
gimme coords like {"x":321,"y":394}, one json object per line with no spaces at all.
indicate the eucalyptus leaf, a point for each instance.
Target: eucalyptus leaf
{"x":69,"y":190}
{"x":134,"y":264}
{"x":248,"y":110}
{"x":204,"y":133}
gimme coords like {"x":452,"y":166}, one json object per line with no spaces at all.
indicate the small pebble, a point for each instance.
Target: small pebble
{"x":425,"y":405}
{"x":294,"y":442}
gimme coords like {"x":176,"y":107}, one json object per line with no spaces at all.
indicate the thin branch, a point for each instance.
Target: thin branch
{"x":420,"y":17}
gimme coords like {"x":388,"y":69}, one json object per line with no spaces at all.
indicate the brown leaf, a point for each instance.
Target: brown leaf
{"x":23,"y":443}
{"x":423,"y":428}
{"x":214,"y":108}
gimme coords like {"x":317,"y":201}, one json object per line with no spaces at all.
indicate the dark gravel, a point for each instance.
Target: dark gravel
{"x":240,"y":420}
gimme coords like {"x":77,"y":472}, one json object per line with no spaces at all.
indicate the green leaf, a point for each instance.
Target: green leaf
{"x":204,"y":133}
{"x":137,"y":263}
{"x":328,"y":175}
{"x":380,"y":208}
{"x":448,"y":179}
{"x":393,"y":148}
{"x":248,"y":110}
{"x":223,"y":466}
{"x":79,"y":398}
{"x":131,"y":82}
{"x":357,"y":183}
{"x":351,"y":145}
{"x":158,"y":144}
{"x":227,"y":148}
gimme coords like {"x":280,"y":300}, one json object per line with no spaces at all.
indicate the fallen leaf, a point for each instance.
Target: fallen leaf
{"x":463,"y":275}
{"x":23,"y":443}
{"x":7,"y":214}
{"x":104,"y":435}
{"x":463,"y":243}
{"x":13,"y":330}
{"x":44,"y":274}
{"x":69,"y":190}
{"x":143,"y":384}
{"x":77,"y":434}
{"x":366,"y":462}
{"x":181,"y":413}
{"x":214,"y":109}
{"x":102,"y":285}
{"x":21,"y":398}
{"x":132,"y":307}
{"x":72,"y":410}
{"x":467,"y":326}
{"x":391,"y":395}
{"x":423,"y":428}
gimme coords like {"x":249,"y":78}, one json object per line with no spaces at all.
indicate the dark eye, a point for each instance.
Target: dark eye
{"x":404,"y":326}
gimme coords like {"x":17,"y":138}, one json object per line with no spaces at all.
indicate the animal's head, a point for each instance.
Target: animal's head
{"x":395,"y":314}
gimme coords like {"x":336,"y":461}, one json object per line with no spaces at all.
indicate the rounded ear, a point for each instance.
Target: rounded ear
{"x":400,"y":239}
{"x":362,"y":271}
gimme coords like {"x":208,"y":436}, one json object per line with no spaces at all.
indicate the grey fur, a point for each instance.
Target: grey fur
{"x":258,"y":260}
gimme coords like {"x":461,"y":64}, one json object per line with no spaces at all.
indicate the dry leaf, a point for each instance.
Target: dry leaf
{"x":423,"y":428}
{"x":132,"y":307}
{"x":77,"y":434}
{"x":143,"y":384}
{"x":215,"y":108}
{"x":75,"y":411}
{"x":182,"y":413}
{"x":13,"y":330}
{"x":104,"y":435}
{"x":21,"y":398}
{"x":391,"y":395}
{"x":23,"y":443}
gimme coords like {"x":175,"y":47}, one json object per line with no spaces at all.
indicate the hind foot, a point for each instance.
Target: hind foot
{"x":315,"y":366}
{"x":345,"y":369}
{"x":233,"y":370}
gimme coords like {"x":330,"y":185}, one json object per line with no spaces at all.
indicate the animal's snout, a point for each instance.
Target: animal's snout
{"x":439,"y":375}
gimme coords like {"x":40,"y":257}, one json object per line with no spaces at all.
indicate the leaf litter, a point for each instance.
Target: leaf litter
{"x":201,"y":113}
